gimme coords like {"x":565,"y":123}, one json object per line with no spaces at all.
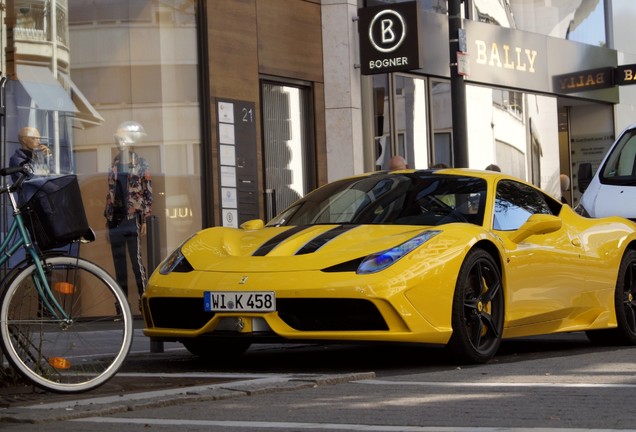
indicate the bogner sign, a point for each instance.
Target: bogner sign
{"x":389,"y":38}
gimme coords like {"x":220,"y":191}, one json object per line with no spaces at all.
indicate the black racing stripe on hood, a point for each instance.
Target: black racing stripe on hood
{"x":316,"y":243}
{"x":270,"y":244}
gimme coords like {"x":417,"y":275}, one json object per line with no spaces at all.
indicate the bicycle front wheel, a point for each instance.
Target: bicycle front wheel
{"x":75,"y":350}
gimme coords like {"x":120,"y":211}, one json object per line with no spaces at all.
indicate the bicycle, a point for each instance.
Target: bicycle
{"x":65,"y":324}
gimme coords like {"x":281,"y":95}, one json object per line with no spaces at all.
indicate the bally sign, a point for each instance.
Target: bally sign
{"x":592,"y":79}
{"x":625,"y":75}
{"x":389,"y":38}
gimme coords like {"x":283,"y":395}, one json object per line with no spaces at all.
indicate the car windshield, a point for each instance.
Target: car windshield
{"x":620,"y":167}
{"x":420,"y":198}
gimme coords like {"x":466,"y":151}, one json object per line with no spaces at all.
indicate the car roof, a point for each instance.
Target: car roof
{"x":453,"y":171}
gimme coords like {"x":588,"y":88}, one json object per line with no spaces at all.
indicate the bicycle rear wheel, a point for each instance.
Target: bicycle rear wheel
{"x":72,"y":354}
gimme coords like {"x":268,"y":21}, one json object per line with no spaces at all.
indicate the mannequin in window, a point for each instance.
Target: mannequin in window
{"x":128,"y":205}
{"x":31,"y":152}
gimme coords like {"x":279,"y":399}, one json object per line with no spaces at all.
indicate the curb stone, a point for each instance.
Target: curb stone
{"x":106,"y":405}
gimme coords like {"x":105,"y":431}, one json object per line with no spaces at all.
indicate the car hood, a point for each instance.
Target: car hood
{"x":291,"y":248}
{"x":613,"y":200}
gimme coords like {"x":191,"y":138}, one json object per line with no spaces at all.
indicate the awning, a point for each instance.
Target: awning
{"x":43,"y":89}
{"x":86,"y":114}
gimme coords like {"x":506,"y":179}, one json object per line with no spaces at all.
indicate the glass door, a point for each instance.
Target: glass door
{"x":287,"y":144}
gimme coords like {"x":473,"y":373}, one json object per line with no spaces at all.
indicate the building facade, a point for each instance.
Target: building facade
{"x":248,"y":104}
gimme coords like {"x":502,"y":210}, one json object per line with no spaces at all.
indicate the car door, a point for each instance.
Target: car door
{"x":544,"y":274}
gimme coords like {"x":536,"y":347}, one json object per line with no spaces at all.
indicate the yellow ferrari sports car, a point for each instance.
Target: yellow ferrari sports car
{"x":454,"y":257}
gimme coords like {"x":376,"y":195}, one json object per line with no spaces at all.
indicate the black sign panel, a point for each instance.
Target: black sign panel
{"x":389,"y":38}
{"x":591,"y":79}
{"x":625,"y":75}
{"x":236,"y":128}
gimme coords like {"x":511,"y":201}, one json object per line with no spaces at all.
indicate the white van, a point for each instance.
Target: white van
{"x":612,"y":190}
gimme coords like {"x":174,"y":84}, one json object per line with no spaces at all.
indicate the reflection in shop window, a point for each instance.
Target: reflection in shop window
{"x":442,"y":122}
{"x":286,"y":125}
{"x":510,"y":101}
{"x":132,"y":71}
{"x":411,"y":120}
{"x":381,"y":123}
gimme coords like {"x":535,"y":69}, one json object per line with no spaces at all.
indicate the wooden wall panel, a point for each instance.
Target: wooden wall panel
{"x":290,"y":39}
{"x":233,"y":70}
{"x":233,"y":49}
{"x":251,"y":38}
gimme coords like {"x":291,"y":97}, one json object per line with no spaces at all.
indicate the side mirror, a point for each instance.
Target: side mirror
{"x":536,"y":224}
{"x":584,"y":176}
{"x":254,"y":224}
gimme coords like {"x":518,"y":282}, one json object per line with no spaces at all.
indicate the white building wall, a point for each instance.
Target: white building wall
{"x":343,"y":107}
{"x":624,"y":17}
{"x":481,"y":141}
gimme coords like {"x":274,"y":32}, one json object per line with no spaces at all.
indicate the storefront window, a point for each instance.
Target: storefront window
{"x":112,"y":88}
{"x":136,"y":63}
{"x":400,"y":120}
{"x":381,"y":121}
{"x":411,"y":120}
{"x":442,"y":123}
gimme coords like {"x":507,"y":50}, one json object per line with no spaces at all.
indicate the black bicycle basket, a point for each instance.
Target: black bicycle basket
{"x":53,"y":210}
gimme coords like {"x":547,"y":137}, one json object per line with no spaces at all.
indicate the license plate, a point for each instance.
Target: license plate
{"x":244,"y":301}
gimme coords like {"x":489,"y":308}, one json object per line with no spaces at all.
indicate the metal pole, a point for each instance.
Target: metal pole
{"x":458,"y":88}
{"x":154,"y":258}
{"x":270,"y":204}
{"x":56,"y":114}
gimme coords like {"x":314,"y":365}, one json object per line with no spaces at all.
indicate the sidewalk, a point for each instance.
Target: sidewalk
{"x":143,"y":382}
{"x":127,"y":392}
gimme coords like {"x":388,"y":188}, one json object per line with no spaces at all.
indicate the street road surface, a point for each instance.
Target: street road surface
{"x":558,"y":383}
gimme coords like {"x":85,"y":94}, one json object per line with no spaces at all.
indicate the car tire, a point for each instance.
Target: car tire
{"x":216,"y":350}
{"x":478,"y":309}
{"x":625,"y":307}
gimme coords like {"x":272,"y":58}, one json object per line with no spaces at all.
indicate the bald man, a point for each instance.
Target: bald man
{"x":397,"y":163}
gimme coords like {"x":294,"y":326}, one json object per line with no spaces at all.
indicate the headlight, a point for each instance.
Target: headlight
{"x":381,"y":260}
{"x":176,"y":261}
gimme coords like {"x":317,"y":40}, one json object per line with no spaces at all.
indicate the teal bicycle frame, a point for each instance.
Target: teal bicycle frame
{"x":17,"y":238}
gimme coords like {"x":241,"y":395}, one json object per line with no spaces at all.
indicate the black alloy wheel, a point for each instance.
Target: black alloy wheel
{"x":625,"y":306}
{"x":478,"y":309}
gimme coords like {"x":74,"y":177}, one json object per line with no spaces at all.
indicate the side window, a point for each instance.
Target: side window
{"x":515,"y":203}
{"x":621,"y":161}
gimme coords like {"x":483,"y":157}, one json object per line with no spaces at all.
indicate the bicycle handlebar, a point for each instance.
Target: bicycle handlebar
{"x":12,"y":170}
{"x":24,"y":173}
